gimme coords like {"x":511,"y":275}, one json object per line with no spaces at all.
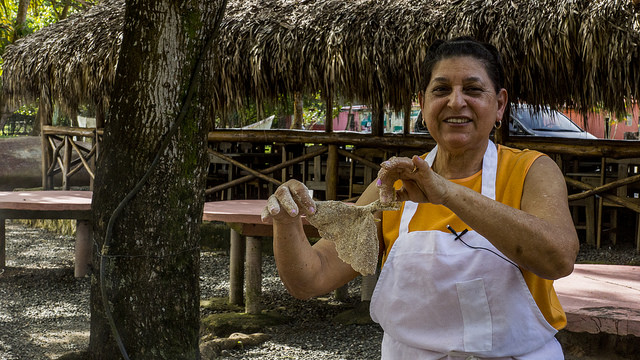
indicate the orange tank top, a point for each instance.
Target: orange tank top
{"x":513,"y":166}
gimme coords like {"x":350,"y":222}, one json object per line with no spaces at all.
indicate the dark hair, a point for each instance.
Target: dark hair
{"x":464,"y":46}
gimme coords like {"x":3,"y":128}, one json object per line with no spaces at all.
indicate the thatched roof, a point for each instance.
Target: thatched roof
{"x":580,"y":51}
{"x":72,"y":61}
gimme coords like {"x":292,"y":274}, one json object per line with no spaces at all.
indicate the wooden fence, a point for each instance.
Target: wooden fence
{"x":602,"y":175}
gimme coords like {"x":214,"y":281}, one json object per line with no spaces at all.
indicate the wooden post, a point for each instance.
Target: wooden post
{"x":2,"y":244}
{"x":44,"y":117}
{"x":368,"y":285}
{"x":253,"y":303}
{"x":96,"y":140}
{"x":328,"y":122}
{"x":83,"y":248}
{"x":284,"y":156}
{"x":590,"y":220}
{"x":377,"y":120}
{"x":296,"y":123}
{"x":332,"y":173}
{"x":406,"y":128}
{"x":342,"y":292}
{"x":502,"y":133}
{"x":236,"y":268}
{"x":603,"y":176}
{"x":66,"y":163}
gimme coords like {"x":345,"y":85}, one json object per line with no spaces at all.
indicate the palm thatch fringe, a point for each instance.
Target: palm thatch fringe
{"x":578,"y":52}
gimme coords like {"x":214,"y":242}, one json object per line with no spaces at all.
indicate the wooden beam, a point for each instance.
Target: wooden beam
{"x":629,"y":204}
{"x":599,"y":189}
{"x":269,"y":170}
{"x":68,"y":131}
{"x":246,"y":168}
{"x":616,"y":149}
{"x":419,"y":142}
{"x":359,"y":158}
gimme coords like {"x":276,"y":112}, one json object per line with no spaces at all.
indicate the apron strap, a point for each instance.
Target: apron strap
{"x":489,"y":171}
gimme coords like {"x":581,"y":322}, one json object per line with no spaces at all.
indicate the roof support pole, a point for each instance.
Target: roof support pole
{"x":328,"y":116}
{"x":45,"y":118}
{"x":377,"y":120}
{"x":406,"y":128}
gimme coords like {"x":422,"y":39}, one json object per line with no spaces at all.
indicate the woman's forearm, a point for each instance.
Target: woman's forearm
{"x":544,"y":246}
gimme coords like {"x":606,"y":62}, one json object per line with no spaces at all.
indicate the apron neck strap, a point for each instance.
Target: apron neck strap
{"x":489,"y":171}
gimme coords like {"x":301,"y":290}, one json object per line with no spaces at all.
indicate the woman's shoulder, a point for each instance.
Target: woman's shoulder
{"x":512,"y":156}
{"x":518,"y":153}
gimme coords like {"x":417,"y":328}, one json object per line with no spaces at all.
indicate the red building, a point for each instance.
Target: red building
{"x":605,"y":125}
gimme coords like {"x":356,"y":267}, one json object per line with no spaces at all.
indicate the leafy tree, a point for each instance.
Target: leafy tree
{"x":20,"y":18}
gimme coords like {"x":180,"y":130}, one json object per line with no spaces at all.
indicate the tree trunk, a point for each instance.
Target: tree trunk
{"x":21,"y":18}
{"x":151,"y":261}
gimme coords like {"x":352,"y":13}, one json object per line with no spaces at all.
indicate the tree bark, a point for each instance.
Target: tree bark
{"x":151,"y":261}
{"x":21,"y":18}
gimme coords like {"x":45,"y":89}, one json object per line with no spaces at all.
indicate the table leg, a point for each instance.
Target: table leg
{"x":341,"y":293}
{"x":637,"y":233}
{"x":368,"y":285}
{"x":236,"y":268}
{"x":253,"y":303}
{"x":590,"y":210}
{"x":83,"y":248}
{"x":2,"y":244}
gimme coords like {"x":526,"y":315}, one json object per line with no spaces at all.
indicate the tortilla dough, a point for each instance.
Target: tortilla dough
{"x":353,"y":230}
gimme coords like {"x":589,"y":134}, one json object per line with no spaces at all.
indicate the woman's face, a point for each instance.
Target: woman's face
{"x":460,"y":105}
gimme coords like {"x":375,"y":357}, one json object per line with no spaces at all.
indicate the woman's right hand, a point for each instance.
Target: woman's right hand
{"x":288,"y":202}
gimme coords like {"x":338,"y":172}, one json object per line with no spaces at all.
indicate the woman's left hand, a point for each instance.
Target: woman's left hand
{"x":419,"y":182}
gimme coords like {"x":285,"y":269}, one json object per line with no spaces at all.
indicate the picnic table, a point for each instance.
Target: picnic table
{"x":51,"y":205}
{"x":596,"y":298}
{"x":244,"y":219}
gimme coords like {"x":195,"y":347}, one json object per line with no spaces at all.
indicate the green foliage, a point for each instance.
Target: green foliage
{"x":40,"y":14}
{"x":28,"y":110}
{"x":314,"y":110}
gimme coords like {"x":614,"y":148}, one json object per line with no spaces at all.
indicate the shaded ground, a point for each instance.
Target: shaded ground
{"x":44,"y":310}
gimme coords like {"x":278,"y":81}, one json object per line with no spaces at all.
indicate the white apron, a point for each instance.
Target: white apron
{"x":437,"y":298}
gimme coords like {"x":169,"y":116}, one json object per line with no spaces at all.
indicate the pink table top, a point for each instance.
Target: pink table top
{"x":45,"y":200}
{"x":236,"y":211}
{"x":601,"y":298}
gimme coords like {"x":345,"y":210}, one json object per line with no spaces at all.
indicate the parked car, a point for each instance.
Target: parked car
{"x":525,"y":120}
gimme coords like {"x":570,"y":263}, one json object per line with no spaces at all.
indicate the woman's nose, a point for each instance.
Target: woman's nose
{"x":456,"y":99}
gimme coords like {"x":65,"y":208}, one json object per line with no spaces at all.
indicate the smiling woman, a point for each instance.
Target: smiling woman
{"x":481,"y":228}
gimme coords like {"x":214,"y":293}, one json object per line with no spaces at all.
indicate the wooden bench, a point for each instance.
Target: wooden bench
{"x":51,"y":205}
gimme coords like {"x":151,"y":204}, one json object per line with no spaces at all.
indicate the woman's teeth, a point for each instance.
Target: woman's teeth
{"x":457,"y":121}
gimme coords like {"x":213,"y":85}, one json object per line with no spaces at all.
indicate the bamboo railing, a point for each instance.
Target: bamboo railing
{"x":326,"y":160}
{"x":60,"y":144}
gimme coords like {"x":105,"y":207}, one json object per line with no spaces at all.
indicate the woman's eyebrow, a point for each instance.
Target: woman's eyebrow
{"x":473,"y":79}
{"x":442,"y":79}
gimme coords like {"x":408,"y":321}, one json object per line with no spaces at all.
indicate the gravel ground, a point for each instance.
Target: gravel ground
{"x":44,"y":310}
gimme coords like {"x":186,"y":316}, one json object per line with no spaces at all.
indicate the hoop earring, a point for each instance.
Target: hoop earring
{"x":497,"y":125}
